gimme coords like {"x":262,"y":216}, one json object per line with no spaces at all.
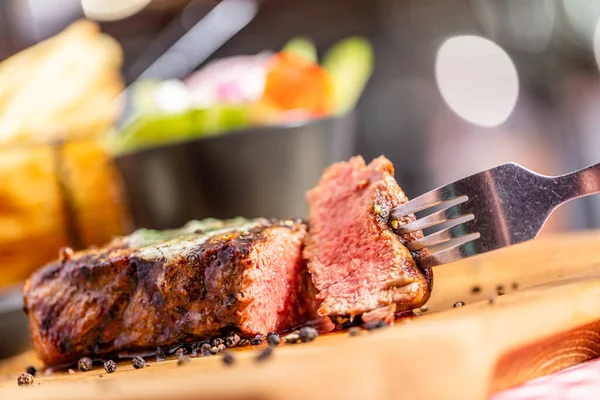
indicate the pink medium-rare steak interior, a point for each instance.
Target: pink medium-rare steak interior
{"x":357,"y":262}
{"x":276,"y":285}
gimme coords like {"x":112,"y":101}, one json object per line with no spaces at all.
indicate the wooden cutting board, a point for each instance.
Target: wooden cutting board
{"x":548,"y":319}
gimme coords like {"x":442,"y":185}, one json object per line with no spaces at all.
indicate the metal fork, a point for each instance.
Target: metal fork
{"x":499,"y":207}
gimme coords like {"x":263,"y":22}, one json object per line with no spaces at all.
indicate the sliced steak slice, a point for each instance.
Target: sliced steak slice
{"x":162,"y":288}
{"x":357,"y":262}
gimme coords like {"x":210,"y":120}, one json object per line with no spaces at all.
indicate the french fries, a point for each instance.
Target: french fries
{"x":62,"y":88}
{"x":60,"y":188}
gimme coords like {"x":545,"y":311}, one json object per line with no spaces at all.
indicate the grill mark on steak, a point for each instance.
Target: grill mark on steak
{"x":151,"y":289}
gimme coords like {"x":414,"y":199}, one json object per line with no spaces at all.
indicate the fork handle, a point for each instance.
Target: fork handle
{"x":580,"y":183}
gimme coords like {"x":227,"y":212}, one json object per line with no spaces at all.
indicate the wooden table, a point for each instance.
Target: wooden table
{"x":548,"y":319}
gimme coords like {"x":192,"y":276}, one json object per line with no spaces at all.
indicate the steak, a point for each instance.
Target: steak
{"x":161,"y":288}
{"x":357,"y":262}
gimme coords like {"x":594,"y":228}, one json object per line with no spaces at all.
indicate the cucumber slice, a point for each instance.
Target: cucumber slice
{"x":143,"y":100}
{"x":303,"y":46}
{"x":156,"y":130}
{"x":350,"y":63}
{"x":218,"y":119}
{"x":151,"y":131}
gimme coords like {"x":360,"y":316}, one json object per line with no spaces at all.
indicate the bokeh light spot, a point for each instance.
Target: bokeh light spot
{"x":477,"y":79}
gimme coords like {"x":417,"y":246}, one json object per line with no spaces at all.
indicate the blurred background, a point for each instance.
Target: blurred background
{"x":119,"y":114}
{"x":443,"y":88}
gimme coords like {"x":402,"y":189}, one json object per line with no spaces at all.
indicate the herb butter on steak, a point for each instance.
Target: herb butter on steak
{"x":357,"y":263}
{"x":161,"y":288}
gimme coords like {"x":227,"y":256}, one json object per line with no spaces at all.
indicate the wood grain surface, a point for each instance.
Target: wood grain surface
{"x":548,"y":319}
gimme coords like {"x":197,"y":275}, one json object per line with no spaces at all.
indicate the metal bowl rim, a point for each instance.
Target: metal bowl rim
{"x":253,"y":130}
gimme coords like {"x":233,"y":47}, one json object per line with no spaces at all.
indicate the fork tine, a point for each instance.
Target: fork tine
{"x":441,"y":236}
{"x":461,"y":248}
{"x":425,"y":201}
{"x":430,"y":220}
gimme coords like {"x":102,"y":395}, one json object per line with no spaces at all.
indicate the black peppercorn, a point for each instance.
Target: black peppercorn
{"x":25,"y":379}
{"x":292,"y":338}
{"x":196,"y":348}
{"x":205,"y":353}
{"x":256,"y":340}
{"x":84,"y":364}
{"x":181,"y":351}
{"x":475,"y":289}
{"x":500,"y":290}
{"x":205,"y":349}
{"x":371,"y":325}
{"x":160,"y":354}
{"x":232,"y":340}
{"x":266,"y":353}
{"x":138,"y":362}
{"x":515,"y":285}
{"x":307,"y":334}
{"x":110,"y":366}
{"x":355,"y":331}
{"x":31,"y":370}
{"x":458,"y":304}
{"x":273,"y":339}
{"x":183,"y":360}
{"x":218,"y":341}
{"x":228,"y":358}
{"x":243,"y":342}
{"x":205,"y":346}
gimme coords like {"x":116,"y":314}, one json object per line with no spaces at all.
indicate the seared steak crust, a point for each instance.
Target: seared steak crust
{"x":162,"y":288}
